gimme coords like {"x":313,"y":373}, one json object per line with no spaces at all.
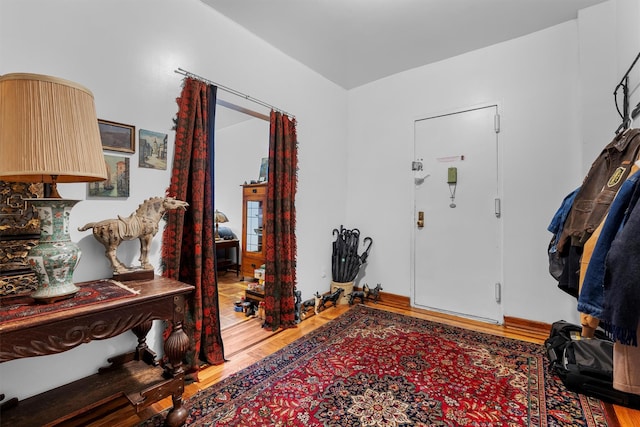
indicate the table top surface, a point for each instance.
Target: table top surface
{"x":227,"y":242}
{"x":148,"y":290}
{"x":254,"y":292}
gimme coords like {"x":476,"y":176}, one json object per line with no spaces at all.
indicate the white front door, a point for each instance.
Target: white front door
{"x":457,"y":251}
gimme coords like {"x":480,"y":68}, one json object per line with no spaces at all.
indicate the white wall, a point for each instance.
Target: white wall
{"x":533,"y":81}
{"x":550,"y":88}
{"x":609,"y":42}
{"x":239,"y":151}
{"x":627,"y":15}
{"x":599,"y":76}
{"x":126,"y":53}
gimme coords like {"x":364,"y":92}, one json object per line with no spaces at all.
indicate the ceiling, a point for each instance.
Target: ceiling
{"x":354,"y":42}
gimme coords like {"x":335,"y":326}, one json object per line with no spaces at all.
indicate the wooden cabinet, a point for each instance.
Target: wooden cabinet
{"x":254,"y":199}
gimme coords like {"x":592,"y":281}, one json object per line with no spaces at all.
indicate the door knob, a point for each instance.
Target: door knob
{"x":420,"y":219}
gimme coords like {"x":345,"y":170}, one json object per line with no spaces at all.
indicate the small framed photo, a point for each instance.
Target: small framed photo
{"x":117,"y":182}
{"x":264,"y":170}
{"x":117,"y":136}
{"x":152,"y":149}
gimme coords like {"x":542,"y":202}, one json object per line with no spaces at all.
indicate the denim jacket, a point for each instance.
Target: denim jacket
{"x":557,"y":222}
{"x":591,"y":299}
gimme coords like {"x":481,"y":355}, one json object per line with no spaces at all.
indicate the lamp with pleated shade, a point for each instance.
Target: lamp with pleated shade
{"x":49,"y":133}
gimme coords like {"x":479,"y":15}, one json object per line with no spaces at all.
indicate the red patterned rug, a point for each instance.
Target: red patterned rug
{"x":370,"y":367}
{"x":90,"y":293}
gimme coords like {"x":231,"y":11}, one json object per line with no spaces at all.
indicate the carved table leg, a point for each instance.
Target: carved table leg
{"x":143,"y":352}
{"x":175,"y":348}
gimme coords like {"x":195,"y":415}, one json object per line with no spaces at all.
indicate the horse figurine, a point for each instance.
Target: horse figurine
{"x":332,"y":297}
{"x":298,"y":305}
{"x":317,"y":298}
{"x":356,"y":294}
{"x":142,"y":225}
{"x":373,"y":293}
{"x":310,"y":303}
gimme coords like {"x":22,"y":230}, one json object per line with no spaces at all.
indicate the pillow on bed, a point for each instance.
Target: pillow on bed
{"x":226,"y":233}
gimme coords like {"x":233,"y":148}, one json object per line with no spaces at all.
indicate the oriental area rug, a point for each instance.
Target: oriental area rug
{"x":371,"y":367}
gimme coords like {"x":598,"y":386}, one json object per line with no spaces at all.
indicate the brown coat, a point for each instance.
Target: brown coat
{"x":599,"y":188}
{"x":626,"y":367}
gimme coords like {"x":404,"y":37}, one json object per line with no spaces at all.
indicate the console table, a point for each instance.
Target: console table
{"x":255,"y":297}
{"x":135,"y":375}
{"x":229,"y":263}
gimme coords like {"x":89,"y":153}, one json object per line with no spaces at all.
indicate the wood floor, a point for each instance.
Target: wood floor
{"x":245,"y":343}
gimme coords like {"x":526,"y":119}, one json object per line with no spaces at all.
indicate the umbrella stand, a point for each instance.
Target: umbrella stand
{"x":345,"y":261}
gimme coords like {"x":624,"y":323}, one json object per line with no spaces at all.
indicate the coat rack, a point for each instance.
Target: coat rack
{"x":624,"y":84}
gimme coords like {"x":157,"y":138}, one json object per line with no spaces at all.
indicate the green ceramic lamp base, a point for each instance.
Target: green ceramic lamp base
{"x":55,"y":257}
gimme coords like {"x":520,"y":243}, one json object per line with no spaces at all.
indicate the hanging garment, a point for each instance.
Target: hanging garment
{"x":621,"y":297}
{"x":588,"y":322}
{"x":599,"y":187}
{"x":569,"y":280}
{"x":591,"y":297}
{"x":557,"y":222}
{"x":556,"y":262}
{"x":626,"y":367}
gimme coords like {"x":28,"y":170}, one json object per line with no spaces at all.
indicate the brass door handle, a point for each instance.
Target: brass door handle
{"x":420,"y":219}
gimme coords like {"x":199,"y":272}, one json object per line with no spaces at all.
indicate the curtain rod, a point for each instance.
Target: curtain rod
{"x":232,"y":91}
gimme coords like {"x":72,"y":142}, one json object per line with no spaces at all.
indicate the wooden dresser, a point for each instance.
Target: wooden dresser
{"x":135,"y":375}
{"x":254,"y":199}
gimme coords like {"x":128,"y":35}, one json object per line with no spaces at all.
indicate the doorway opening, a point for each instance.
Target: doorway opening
{"x":241,"y":144}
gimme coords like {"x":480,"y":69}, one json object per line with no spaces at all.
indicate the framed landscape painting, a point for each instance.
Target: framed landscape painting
{"x":117,"y":182}
{"x":152,"y":150}
{"x":117,"y":136}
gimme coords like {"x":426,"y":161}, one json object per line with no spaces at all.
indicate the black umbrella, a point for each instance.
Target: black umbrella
{"x":345,"y":260}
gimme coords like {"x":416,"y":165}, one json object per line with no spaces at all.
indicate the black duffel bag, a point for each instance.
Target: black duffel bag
{"x":585,"y":365}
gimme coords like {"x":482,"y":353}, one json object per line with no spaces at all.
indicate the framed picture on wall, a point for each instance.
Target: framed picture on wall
{"x":264,"y":170}
{"x":117,"y":182}
{"x":152,"y":149}
{"x":117,"y":136}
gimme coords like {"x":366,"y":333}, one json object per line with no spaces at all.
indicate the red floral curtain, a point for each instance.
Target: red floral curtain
{"x":280,"y":222}
{"x":188,"y":252}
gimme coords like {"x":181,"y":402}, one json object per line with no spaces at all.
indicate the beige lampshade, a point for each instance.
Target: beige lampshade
{"x":48,"y":131}
{"x":220,"y":217}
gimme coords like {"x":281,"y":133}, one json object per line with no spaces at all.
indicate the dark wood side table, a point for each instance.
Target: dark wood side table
{"x":229,"y":263}
{"x":254,"y":297}
{"x":136,"y":375}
